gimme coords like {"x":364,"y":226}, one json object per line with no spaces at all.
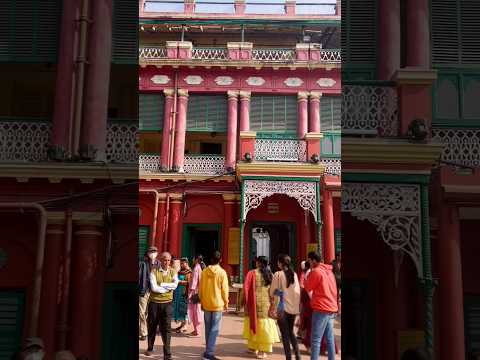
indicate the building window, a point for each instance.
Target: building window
{"x":277,"y":113}
{"x":455,"y":98}
{"x":207,"y":113}
{"x":125,"y":32}
{"x":359,"y":39}
{"x":330,"y":125}
{"x":210,"y":148}
{"x":151,"y":111}
{"x":143,"y":234}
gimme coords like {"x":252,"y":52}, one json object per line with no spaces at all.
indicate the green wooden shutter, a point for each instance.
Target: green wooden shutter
{"x":359,"y":37}
{"x":330,"y":125}
{"x":120,"y":321}
{"x":125,"y":32}
{"x":338,"y":240}
{"x":143,"y":235}
{"x":455,"y":31}
{"x":151,"y":111}
{"x":472,"y":322}
{"x":12,"y":304}
{"x":29,"y":30}
{"x":276,"y":113}
{"x":207,"y":113}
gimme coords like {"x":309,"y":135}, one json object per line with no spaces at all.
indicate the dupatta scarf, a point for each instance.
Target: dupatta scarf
{"x":250,"y":299}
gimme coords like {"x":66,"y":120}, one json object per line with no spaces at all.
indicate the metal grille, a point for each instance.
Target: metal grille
{"x":274,"y":55}
{"x":205,"y":53}
{"x":280,"y":150}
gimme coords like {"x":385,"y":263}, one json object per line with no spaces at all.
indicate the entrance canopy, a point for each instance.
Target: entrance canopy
{"x":395,"y":211}
{"x":305,"y":192}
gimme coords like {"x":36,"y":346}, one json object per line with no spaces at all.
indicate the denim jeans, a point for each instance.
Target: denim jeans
{"x":212,"y":328}
{"x":322,"y":323}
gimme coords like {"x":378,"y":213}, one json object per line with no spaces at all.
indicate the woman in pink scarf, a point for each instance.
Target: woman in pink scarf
{"x":195,"y":313}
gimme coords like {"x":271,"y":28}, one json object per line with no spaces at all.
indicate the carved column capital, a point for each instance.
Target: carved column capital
{"x":232,"y":94}
{"x":245,"y":95}
{"x":315,"y":95}
{"x":182,"y":92}
{"x":302,"y":95}
{"x":168,"y":92}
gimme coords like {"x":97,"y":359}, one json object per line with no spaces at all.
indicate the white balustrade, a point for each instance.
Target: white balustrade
{"x":461,"y":146}
{"x":24,"y":140}
{"x":280,"y":150}
{"x":205,"y":53}
{"x":333,"y":166}
{"x":204,"y":164}
{"x":369,"y":110}
{"x":122,"y":142}
{"x":149,"y":163}
{"x":274,"y":55}
{"x":152,"y":53}
{"x":331,"y":55}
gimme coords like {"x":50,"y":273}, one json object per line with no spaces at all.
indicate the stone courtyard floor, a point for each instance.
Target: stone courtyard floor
{"x":230,"y":344}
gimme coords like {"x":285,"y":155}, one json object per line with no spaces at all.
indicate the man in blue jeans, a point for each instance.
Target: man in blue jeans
{"x":213,"y":293}
{"x":322,"y":285}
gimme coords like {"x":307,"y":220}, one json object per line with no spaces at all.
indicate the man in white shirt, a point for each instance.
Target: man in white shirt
{"x":163,"y":281}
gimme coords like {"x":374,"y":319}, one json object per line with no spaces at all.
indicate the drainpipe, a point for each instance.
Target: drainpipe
{"x":37,"y":281}
{"x":63,"y":322}
{"x":166,"y":218}
{"x":81,"y":61}
{"x":173,"y":123}
{"x":155,"y":213}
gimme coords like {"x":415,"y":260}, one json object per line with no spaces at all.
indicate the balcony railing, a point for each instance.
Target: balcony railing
{"x":204,"y":164}
{"x":288,"y":150}
{"x":26,"y":140}
{"x":333,"y":166}
{"x":209,"y":53}
{"x":370,"y":110}
{"x":265,"y":55}
{"x":199,"y":164}
{"x":460,"y":145}
{"x":274,"y":55}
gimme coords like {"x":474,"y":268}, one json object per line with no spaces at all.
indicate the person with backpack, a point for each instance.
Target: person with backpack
{"x":286,"y":287}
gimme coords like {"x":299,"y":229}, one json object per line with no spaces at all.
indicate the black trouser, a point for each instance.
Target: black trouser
{"x":286,"y":323}
{"x":160,"y":314}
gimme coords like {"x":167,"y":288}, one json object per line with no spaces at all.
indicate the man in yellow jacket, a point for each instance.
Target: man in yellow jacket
{"x":213,"y":293}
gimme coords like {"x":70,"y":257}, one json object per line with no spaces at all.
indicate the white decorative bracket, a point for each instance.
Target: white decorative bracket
{"x":394,"y":209}
{"x":256,"y":190}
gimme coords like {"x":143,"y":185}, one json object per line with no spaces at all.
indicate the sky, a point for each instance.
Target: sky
{"x":226,"y":6}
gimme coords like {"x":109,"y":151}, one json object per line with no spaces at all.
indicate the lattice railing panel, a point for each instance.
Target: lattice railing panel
{"x":204,"y":164}
{"x":332,"y":166}
{"x":153,"y":53}
{"x":370,"y":110}
{"x":122,"y":142}
{"x":24,"y":140}
{"x":280,"y":150}
{"x":331,"y":55}
{"x":461,"y":146}
{"x":200,"y":53}
{"x":280,"y":55}
{"x":149,"y":163}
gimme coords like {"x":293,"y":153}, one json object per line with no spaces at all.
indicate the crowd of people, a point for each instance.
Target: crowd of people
{"x":274,"y":303}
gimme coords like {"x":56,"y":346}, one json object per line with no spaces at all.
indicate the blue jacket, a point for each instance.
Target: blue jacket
{"x":144,"y":276}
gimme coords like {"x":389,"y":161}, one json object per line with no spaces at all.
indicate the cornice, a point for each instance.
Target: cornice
{"x":56,"y":172}
{"x":179,"y":177}
{"x":391,"y":151}
{"x":280,"y":169}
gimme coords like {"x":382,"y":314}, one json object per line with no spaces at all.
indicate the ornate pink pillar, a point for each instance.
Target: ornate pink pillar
{"x":302,"y":109}
{"x":180,"y":130}
{"x":232,"y":130}
{"x":63,"y":106}
{"x":94,"y":126}
{"x":314,"y":112}
{"x":327,"y":214}
{"x":167,"y":131}
{"x":418,"y":34}
{"x":245,"y":110}
{"x":388,"y":38}
{"x":450,"y":289}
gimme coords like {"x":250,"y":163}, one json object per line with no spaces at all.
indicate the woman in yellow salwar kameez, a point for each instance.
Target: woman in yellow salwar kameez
{"x":259,"y":329}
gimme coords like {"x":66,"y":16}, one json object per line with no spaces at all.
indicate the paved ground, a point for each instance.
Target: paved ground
{"x":230,"y":344}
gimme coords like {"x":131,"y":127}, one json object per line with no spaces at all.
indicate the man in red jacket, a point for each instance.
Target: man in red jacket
{"x":321,"y":282}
